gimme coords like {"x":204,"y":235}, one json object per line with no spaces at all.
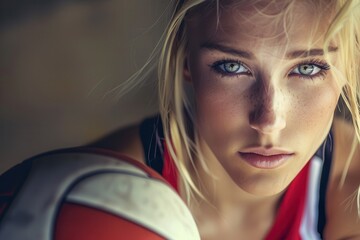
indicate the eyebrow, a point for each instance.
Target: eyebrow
{"x":249,"y":55}
{"x":309,"y":53}
{"x":225,"y":49}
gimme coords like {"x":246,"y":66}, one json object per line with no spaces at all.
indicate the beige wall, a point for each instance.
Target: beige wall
{"x":57,"y":67}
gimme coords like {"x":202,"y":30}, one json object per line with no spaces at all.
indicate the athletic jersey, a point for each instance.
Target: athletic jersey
{"x":301,"y":214}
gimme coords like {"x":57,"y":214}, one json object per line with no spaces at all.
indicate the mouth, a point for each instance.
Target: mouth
{"x":266,"y":158}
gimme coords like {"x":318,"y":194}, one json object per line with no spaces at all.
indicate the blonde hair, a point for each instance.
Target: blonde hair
{"x":176,"y":108}
{"x":346,"y":29}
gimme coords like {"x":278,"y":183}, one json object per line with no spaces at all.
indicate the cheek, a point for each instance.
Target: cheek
{"x":317,"y":104}
{"x":221,"y":111}
{"x":216,"y":110}
{"x":218,"y":97}
{"x":311,"y":116}
{"x":210,"y":105}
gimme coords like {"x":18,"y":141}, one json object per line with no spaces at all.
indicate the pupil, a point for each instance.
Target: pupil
{"x":232,"y":67}
{"x":306,"y":69}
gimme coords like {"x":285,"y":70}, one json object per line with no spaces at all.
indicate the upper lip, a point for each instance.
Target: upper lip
{"x":267,"y":151}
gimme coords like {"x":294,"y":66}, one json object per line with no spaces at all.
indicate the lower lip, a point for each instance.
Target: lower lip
{"x":265,"y":162}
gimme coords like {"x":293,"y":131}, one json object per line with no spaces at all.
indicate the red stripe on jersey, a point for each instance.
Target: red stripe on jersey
{"x":290,"y":213}
{"x":169,"y":171}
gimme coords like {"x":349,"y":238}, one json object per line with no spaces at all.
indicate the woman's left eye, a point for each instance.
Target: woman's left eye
{"x":307,"y":69}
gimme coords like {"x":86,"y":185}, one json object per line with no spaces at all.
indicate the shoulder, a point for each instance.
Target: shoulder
{"x":343,"y":221}
{"x":126,"y":141}
{"x":134,"y":140}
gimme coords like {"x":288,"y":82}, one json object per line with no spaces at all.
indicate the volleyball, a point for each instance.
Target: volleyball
{"x":95,"y":194}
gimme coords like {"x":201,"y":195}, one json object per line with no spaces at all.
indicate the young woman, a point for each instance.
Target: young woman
{"x":248,"y":92}
{"x":246,"y":133}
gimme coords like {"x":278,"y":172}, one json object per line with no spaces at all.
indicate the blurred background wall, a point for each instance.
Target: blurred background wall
{"x":60,"y":61}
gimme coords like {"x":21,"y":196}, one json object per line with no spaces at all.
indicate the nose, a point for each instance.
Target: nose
{"x":267,"y":115}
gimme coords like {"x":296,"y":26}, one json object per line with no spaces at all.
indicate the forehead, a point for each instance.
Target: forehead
{"x":272,"y":23}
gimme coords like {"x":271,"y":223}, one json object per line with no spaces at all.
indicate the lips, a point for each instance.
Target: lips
{"x":265,"y":158}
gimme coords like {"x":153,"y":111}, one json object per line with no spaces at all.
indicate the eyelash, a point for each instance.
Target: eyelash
{"x":322,"y":65}
{"x":216,"y":67}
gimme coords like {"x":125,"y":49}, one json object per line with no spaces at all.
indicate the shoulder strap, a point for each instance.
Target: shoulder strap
{"x":152,"y":136}
{"x":325,"y":153}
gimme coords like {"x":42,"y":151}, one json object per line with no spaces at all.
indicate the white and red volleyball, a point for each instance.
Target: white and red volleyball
{"x":90,"y":194}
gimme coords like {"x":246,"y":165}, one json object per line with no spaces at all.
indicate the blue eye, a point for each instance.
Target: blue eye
{"x":307,"y":69}
{"x":230,"y":67}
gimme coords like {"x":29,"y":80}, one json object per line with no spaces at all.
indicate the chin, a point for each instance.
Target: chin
{"x":263,"y":186}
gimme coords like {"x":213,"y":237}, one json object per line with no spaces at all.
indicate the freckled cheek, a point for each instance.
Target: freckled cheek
{"x":315,"y":107}
{"x":212,"y":105}
{"x":208,"y":103}
{"x":220,"y":109}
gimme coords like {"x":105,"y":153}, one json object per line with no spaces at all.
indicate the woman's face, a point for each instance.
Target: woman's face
{"x":265,"y":96}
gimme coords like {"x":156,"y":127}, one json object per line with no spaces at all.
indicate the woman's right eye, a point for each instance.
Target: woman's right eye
{"x":230,"y":68}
